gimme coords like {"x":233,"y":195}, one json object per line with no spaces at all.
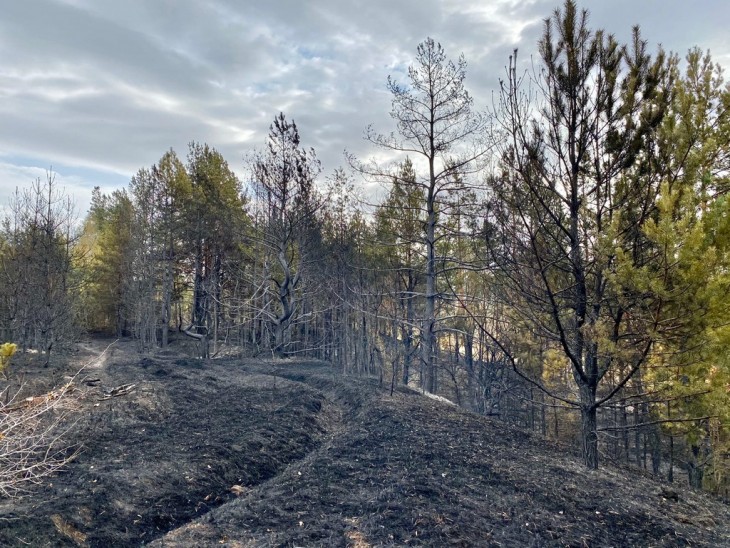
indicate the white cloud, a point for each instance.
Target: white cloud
{"x":16,"y":177}
{"x":110,"y":86}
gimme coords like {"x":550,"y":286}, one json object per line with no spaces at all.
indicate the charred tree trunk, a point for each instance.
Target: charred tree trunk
{"x":695,"y":469}
{"x":203,"y":344}
{"x":429,"y":322}
{"x":589,"y":426}
{"x":166,"y":302}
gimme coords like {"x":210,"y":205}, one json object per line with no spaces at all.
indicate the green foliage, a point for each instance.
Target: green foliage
{"x":571,"y":203}
{"x":596,"y":262}
{"x":108,"y":242}
{"x":689,"y":270}
{"x":7,"y":350}
{"x":216,"y":223}
{"x":399,"y":222}
{"x":217,"y":200}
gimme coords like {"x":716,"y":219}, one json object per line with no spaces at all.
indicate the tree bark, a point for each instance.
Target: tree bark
{"x":589,"y":426}
{"x":427,"y":332}
{"x":695,"y":470}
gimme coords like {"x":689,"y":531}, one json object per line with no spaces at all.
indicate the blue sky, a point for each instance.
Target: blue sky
{"x":97,"y":89}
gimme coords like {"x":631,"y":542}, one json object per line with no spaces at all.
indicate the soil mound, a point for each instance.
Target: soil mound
{"x":250,"y":453}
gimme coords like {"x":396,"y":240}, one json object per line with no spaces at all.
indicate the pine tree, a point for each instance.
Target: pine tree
{"x":284,"y":176}
{"x":435,"y":120}
{"x":399,"y":224}
{"x":216,"y":226}
{"x":578,"y":185}
{"x":38,"y":268}
{"x":107,"y":241}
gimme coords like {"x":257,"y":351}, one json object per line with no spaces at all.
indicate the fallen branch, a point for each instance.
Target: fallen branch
{"x":652,"y":423}
{"x":202,"y":340}
{"x":118,"y":391}
{"x":32,"y":444}
{"x":33,"y":435}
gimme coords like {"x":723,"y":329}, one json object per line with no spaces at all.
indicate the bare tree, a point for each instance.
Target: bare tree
{"x":38,"y":262}
{"x":32,"y":444}
{"x":284,"y":178}
{"x":436,"y":122}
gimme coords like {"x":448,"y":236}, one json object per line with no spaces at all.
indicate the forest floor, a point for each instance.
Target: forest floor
{"x":233,"y":452}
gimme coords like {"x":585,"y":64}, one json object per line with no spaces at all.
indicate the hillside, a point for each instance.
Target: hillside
{"x":256,"y":453}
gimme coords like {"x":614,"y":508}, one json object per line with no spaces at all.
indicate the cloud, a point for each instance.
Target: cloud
{"x":109,"y":86}
{"x":17,"y":178}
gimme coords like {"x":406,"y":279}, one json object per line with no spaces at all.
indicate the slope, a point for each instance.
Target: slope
{"x":232,"y":453}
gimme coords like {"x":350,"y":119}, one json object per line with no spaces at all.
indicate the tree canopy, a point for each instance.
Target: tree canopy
{"x":559,"y":261}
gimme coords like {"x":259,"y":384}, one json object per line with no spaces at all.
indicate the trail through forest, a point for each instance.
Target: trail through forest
{"x":232,"y":452}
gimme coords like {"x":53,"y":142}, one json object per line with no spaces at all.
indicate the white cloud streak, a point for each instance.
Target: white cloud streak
{"x":109,"y":86}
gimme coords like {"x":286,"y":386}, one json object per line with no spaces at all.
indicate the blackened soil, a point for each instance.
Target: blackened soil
{"x":323,"y":460}
{"x":167,"y":452}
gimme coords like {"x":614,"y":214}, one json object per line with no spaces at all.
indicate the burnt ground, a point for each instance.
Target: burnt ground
{"x":235,"y":452}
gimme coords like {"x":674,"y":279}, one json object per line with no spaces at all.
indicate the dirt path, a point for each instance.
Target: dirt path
{"x":232,"y":453}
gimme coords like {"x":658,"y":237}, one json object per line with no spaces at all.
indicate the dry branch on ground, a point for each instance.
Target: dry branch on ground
{"x":32,"y":445}
{"x":34,"y":432}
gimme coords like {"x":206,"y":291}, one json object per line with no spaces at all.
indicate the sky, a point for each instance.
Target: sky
{"x":97,"y":89}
